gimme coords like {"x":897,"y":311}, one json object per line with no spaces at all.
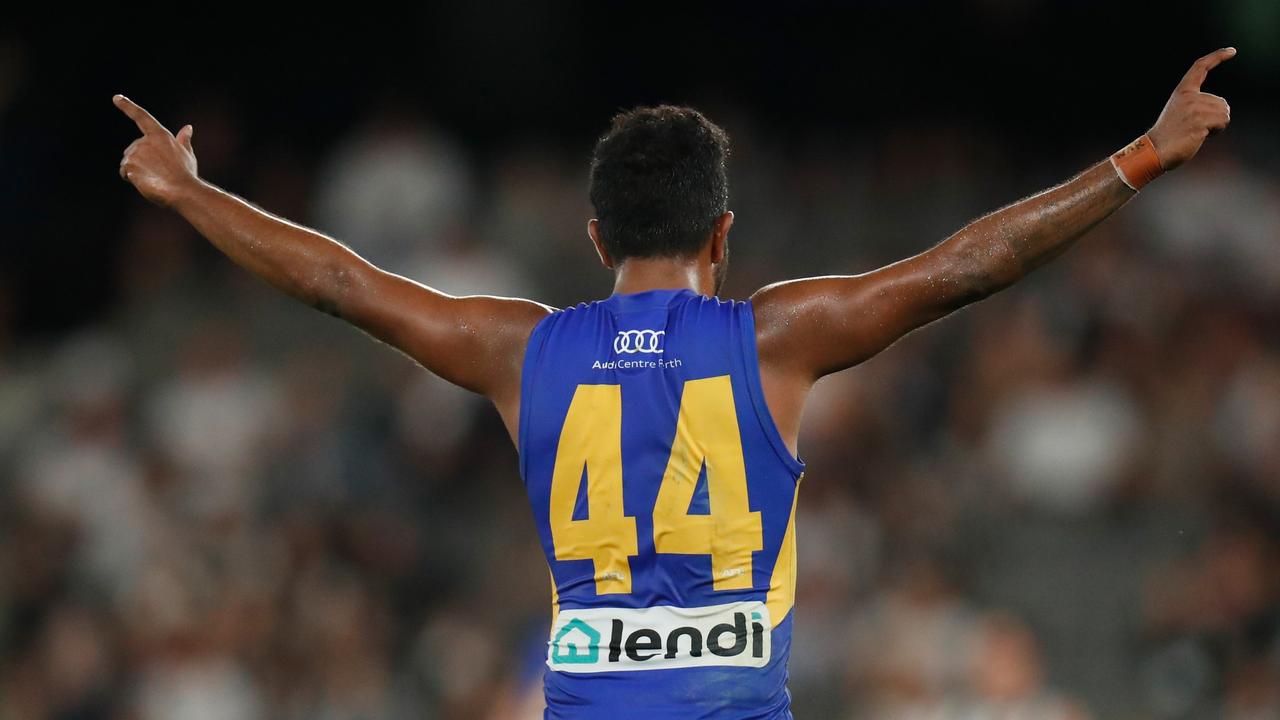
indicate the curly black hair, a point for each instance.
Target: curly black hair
{"x":659,"y":181}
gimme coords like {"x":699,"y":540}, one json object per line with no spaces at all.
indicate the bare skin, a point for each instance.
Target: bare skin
{"x":805,"y":328}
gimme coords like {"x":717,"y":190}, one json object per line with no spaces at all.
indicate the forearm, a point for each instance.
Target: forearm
{"x":1001,"y":247}
{"x":851,"y":318}
{"x":304,"y":263}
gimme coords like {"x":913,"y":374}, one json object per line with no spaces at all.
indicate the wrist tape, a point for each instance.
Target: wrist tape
{"x":1137,"y":163}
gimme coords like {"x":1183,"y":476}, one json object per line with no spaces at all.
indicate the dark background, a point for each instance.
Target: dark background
{"x":1050,"y":79}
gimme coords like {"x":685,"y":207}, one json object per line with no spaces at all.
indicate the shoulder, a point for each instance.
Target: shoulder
{"x":508,"y":321}
{"x":548,"y":315}
{"x":791,"y":317}
{"x":772,"y":306}
{"x":548,"y":320}
{"x":786,"y":296}
{"x":715,"y":303}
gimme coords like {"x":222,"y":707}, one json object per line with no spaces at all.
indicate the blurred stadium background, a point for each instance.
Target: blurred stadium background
{"x":216,"y":503}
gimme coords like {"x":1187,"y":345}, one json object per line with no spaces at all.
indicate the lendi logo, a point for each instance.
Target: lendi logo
{"x":663,"y":636}
{"x":586,"y":650}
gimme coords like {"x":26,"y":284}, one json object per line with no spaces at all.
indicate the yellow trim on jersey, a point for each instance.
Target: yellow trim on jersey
{"x":782,"y":585}
{"x":555,"y":598}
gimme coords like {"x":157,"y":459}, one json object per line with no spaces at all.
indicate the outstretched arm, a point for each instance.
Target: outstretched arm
{"x":814,"y":326}
{"x":475,"y":341}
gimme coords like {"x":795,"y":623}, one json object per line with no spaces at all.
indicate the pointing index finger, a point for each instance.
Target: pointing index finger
{"x":146,"y":123}
{"x":1200,"y":68}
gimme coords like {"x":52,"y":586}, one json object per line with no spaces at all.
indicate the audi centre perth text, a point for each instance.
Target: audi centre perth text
{"x":632,"y":364}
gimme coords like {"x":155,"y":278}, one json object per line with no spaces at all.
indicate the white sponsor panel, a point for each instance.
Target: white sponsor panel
{"x":660,"y":637}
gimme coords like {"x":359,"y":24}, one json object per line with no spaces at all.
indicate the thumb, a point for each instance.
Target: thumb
{"x":184,"y":137}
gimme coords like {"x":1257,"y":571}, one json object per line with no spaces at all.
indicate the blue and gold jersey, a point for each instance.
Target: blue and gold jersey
{"x":664,"y":498}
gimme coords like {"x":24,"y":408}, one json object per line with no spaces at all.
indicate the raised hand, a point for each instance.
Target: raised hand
{"x":160,"y":165}
{"x":1190,"y":115}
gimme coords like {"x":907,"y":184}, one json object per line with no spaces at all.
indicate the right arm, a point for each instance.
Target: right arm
{"x":475,"y":341}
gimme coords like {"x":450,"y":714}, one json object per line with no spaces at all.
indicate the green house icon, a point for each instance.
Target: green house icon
{"x":565,"y":652}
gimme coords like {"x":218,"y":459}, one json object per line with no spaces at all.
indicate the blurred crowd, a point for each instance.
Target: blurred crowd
{"x":1062,"y":503}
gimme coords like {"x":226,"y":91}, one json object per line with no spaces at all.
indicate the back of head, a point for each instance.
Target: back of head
{"x":659,"y":181}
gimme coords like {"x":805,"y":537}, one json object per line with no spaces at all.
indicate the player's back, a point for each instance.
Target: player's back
{"x":665,"y":502}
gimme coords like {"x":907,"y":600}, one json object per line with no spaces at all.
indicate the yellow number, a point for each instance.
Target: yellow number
{"x":592,"y":438}
{"x":707,"y":432}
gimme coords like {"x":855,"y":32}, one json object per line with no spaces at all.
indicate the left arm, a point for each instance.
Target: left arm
{"x":811,"y":327}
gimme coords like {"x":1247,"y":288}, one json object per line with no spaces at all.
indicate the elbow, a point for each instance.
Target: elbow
{"x":981,"y":285}
{"x":981,"y":273}
{"x":972,"y":282}
{"x":331,"y":287}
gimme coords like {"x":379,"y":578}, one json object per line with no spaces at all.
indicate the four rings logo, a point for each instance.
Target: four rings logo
{"x":639,"y":341}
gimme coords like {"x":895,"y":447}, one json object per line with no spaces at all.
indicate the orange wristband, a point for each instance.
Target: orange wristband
{"x":1137,"y":163}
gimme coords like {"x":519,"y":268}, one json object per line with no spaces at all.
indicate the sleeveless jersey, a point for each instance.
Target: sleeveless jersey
{"x":664,"y":498}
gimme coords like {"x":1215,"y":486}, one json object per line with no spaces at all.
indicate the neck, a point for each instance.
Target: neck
{"x":640,"y":274}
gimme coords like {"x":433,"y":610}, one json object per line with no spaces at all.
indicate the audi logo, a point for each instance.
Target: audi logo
{"x":639,"y":341}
